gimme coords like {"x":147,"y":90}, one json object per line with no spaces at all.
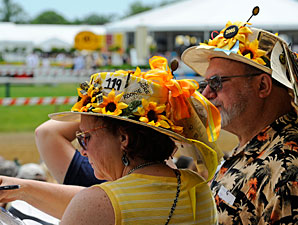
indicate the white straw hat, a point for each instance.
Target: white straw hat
{"x":156,"y":100}
{"x":255,"y":47}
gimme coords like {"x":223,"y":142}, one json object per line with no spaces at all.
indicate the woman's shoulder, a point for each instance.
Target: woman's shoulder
{"x":84,"y":208}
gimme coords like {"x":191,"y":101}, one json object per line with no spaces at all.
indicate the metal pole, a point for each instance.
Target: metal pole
{"x":7,"y":90}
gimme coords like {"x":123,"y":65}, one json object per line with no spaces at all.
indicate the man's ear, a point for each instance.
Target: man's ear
{"x":264,"y":85}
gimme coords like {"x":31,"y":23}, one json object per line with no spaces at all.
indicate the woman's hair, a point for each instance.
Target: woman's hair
{"x":144,"y":142}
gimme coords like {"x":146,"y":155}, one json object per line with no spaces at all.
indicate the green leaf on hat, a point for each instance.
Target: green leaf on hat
{"x":132,"y":108}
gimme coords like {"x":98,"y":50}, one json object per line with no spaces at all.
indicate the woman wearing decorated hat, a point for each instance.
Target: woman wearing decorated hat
{"x":130,"y":123}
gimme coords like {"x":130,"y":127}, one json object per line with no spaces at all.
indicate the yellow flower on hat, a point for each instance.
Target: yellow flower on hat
{"x":251,"y":51}
{"x":111,"y":104}
{"x":84,"y":98}
{"x":175,"y":128}
{"x":227,"y":43}
{"x":151,"y":113}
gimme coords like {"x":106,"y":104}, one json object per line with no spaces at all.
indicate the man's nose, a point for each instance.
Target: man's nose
{"x":209,"y":93}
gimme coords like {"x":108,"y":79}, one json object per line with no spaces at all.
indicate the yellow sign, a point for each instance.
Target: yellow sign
{"x":87,"y":40}
{"x":118,"y":40}
{"x":102,"y":41}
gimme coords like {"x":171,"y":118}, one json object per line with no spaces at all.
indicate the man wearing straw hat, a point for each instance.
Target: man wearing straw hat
{"x":251,"y":76}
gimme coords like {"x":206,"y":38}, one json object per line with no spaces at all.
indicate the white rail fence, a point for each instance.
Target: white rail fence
{"x":23,"y":74}
{"x":10,"y":74}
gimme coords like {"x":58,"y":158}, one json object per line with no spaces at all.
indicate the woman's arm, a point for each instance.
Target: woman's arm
{"x":90,"y":206}
{"x":48,"y":197}
{"x":53,"y":140}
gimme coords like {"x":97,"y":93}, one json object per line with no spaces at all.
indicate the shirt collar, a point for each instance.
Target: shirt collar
{"x":266,"y":135}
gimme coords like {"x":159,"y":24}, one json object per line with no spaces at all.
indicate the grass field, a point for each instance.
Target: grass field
{"x":27,"y":118}
{"x":26,"y":90}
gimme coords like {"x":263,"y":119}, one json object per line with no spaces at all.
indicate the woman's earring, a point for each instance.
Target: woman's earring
{"x":125,"y":159}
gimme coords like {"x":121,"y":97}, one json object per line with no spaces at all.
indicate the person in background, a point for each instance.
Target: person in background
{"x":250,"y":76}
{"x":78,"y":61}
{"x":32,"y":171}
{"x":130,"y":123}
{"x":55,"y":138}
{"x":8,"y":167}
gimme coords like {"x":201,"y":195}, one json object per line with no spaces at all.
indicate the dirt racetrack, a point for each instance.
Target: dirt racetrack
{"x":19,"y":146}
{"x":22,"y":146}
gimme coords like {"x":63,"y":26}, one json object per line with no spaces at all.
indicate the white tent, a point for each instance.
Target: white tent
{"x":202,"y":15}
{"x":38,"y":35}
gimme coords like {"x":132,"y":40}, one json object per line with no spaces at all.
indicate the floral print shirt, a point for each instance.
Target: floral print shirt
{"x":258,"y":184}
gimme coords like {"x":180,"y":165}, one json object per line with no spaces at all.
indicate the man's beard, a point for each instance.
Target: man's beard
{"x":228,"y":114}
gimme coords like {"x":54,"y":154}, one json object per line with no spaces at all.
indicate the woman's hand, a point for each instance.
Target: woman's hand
{"x":11,"y":195}
{"x":48,"y":197}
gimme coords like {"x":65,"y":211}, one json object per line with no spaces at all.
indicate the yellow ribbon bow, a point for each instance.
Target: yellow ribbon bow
{"x":180,"y":91}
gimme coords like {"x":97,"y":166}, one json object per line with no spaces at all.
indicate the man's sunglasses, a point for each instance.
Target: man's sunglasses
{"x":83,"y":137}
{"x":215,"y":82}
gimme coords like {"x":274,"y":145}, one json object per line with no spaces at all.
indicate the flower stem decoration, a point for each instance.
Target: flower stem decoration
{"x":220,"y":41}
{"x":238,"y":32}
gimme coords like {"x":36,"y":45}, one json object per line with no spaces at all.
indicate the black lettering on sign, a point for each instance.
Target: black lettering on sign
{"x":129,"y":95}
{"x":114,"y":82}
{"x":133,"y":94}
{"x":231,"y":31}
{"x":145,"y":87}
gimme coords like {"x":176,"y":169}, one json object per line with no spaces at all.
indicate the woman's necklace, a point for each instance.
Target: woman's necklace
{"x":142,"y":166}
{"x":177,"y":173}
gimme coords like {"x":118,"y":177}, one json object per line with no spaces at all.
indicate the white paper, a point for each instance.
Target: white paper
{"x":225,"y":195}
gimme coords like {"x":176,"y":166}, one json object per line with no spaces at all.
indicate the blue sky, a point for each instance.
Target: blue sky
{"x":72,"y":9}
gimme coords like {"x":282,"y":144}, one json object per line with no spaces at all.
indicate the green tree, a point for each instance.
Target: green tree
{"x":49,"y":17}
{"x":95,"y":19}
{"x":138,"y":7}
{"x":167,"y":2}
{"x":12,"y":12}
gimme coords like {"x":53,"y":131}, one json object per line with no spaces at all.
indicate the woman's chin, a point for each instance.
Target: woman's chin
{"x":100,"y":176}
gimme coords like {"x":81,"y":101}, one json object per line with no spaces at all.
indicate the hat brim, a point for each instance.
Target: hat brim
{"x":198,"y":150}
{"x":76,"y":116}
{"x":198,"y":59}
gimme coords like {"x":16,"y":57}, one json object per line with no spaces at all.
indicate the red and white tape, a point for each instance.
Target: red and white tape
{"x":38,"y":101}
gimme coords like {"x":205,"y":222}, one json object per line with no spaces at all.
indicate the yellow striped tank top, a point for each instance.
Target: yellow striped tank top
{"x":144,"y":199}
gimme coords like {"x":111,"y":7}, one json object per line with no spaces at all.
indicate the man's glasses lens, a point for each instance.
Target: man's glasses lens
{"x":214,"y":82}
{"x":202,"y":85}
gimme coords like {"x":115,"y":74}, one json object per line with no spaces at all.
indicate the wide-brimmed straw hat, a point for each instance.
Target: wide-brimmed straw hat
{"x":255,"y":47}
{"x":156,"y":100}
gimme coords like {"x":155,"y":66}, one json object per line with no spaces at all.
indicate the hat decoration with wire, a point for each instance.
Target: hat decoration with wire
{"x":153,"y":99}
{"x":252,"y":46}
